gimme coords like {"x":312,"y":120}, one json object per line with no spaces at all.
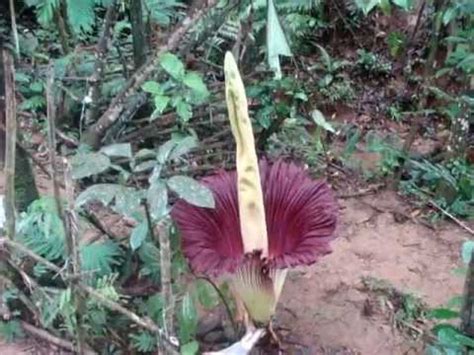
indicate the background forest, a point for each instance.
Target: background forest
{"x":112,"y":110}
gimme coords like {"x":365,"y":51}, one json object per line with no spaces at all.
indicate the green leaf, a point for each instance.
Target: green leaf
{"x":449,"y":15}
{"x":152,"y":87}
{"x":451,"y":336}
{"x":187,"y":316}
{"x":118,"y":150}
{"x":172,"y":65}
{"x":320,"y":120}
{"x":277,"y":44}
{"x":366,"y":5}
{"x":466,"y":251}
{"x":190,"y":348}
{"x":175,"y":148}
{"x":206,"y":294}
{"x":139,"y":234}
{"x":157,"y":198}
{"x":88,"y":164}
{"x":443,"y":313}
{"x":191,"y":191}
{"x":11,"y":330}
{"x":404,"y":4}
{"x":161,"y":102}
{"x":127,"y":201}
{"x":100,"y":257}
{"x":194,"y":81}
{"x":154,"y":308}
{"x":184,"y":110}
{"x":104,"y":193}
{"x":183,"y":146}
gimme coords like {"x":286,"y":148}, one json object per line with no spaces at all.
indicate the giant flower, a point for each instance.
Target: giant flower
{"x":268,"y":217}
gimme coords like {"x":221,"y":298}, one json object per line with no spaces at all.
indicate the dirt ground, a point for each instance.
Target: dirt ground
{"x":322,"y":307}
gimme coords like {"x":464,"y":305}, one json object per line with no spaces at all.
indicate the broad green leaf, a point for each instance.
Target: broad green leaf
{"x":190,"y":348}
{"x":127,"y":201}
{"x":466,"y":251}
{"x":443,"y":313}
{"x":187,"y":316}
{"x":277,"y":44}
{"x":367,"y":5}
{"x":320,"y":120}
{"x":386,"y":7}
{"x":152,"y":87}
{"x":194,"y":81}
{"x":118,"y":150}
{"x":161,"y":102}
{"x":191,"y":191}
{"x":172,"y":65}
{"x":449,"y":15}
{"x":104,"y":193}
{"x":449,"y":335}
{"x":184,"y":110}
{"x":88,"y":164}
{"x":157,"y":198}
{"x":183,"y":146}
{"x":144,"y":166}
{"x":139,"y":234}
{"x":154,"y":308}
{"x":404,"y":4}
{"x":206,"y":294}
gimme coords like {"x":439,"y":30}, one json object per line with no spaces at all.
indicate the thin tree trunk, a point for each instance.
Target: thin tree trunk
{"x":467,"y":312}
{"x":11,"y":130}
{"x":99,"y":65}
{"x":138,"y":33}
{"x":14,"y":27}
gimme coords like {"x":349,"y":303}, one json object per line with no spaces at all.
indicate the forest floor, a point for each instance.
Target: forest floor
{"x":350,"y":302}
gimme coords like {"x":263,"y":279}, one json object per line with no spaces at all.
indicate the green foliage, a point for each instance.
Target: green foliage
{"x":162,"y":12}
{"x":450,"y":184}
{"x":11,"y":330}
{"x":183,"y":90}
{"x":448,"y":338}
{"x":388,"y":148}
{"x":41,"y":230}
{"x":191,"y":191}
{"x":371,"y":64}
{"x":143,"y":341}
{"x":33,"y":91}
{"x":333,"y":84}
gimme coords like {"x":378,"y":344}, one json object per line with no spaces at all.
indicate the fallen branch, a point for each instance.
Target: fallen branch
{"x":110,"y":116}
{"x":452,"y":217}
{"x":50,"y":338}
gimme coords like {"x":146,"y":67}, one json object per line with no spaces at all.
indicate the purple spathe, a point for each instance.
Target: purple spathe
{"x":301,"y":215}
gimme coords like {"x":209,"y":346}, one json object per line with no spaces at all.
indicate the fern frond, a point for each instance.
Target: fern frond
{"x":42,"y":231}
{"x":100,"y":257}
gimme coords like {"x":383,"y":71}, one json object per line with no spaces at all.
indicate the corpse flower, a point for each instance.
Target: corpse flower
{"x":268,"y":217}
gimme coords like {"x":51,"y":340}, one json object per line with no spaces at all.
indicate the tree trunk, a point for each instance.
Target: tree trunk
{"x":138,"y":33}
{"x":467,"y":312}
